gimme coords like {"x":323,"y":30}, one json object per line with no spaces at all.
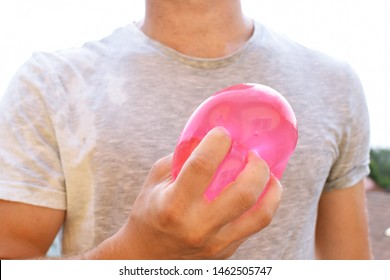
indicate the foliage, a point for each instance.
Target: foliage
{"x":380,"y":167}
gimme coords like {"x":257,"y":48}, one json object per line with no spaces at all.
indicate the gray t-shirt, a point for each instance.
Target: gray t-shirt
{"x":81,"y":128}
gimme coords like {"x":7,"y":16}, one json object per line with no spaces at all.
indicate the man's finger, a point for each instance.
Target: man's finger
{"x":242,"y":194}
{"x":256,"y":218}
{"x":160,"y":171}
{"x":198,"y":171}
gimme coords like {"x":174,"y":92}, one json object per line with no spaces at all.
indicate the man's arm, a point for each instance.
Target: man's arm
{"x":342,"y":228}
{"x":169,"y":219}
{"x":27,"y":231}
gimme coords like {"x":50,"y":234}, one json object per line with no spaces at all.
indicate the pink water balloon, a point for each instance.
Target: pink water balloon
{"x":257,"y":118}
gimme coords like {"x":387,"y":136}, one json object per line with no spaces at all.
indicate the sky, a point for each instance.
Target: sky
{"x":356,"y":31}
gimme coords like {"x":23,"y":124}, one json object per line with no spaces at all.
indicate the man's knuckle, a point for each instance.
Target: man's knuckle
{"x":169,"y":217}
{"x":247,"y":197}
{"x":195,"y":239}
{"x":202,"y":163}
{"x":265,"y":218}
{"x":157,"y":167}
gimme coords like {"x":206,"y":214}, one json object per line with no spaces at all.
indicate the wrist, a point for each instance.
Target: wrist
{"x":113,"y":248}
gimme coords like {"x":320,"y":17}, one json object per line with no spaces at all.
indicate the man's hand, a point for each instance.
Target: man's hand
{"x":174,"y":220}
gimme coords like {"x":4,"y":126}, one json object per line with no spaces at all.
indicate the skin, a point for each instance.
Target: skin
{"x":169,"y":220}
{"x":198,"y":28}
{"x":177,"y":222}
{"x":342,"y":230}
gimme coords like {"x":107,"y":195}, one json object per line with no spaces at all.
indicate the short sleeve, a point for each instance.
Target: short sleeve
{"x":352,"y":163}
{"x":30,"y":165}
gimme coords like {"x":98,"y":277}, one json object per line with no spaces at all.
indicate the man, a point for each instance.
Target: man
{"x":81,"y":128}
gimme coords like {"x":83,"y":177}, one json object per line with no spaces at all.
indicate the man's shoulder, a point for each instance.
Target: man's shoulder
{"x":288,"y":48}
{"x":121,"y":42}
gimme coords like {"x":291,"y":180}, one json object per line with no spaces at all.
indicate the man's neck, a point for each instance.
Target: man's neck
{"x":199,"y":28}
